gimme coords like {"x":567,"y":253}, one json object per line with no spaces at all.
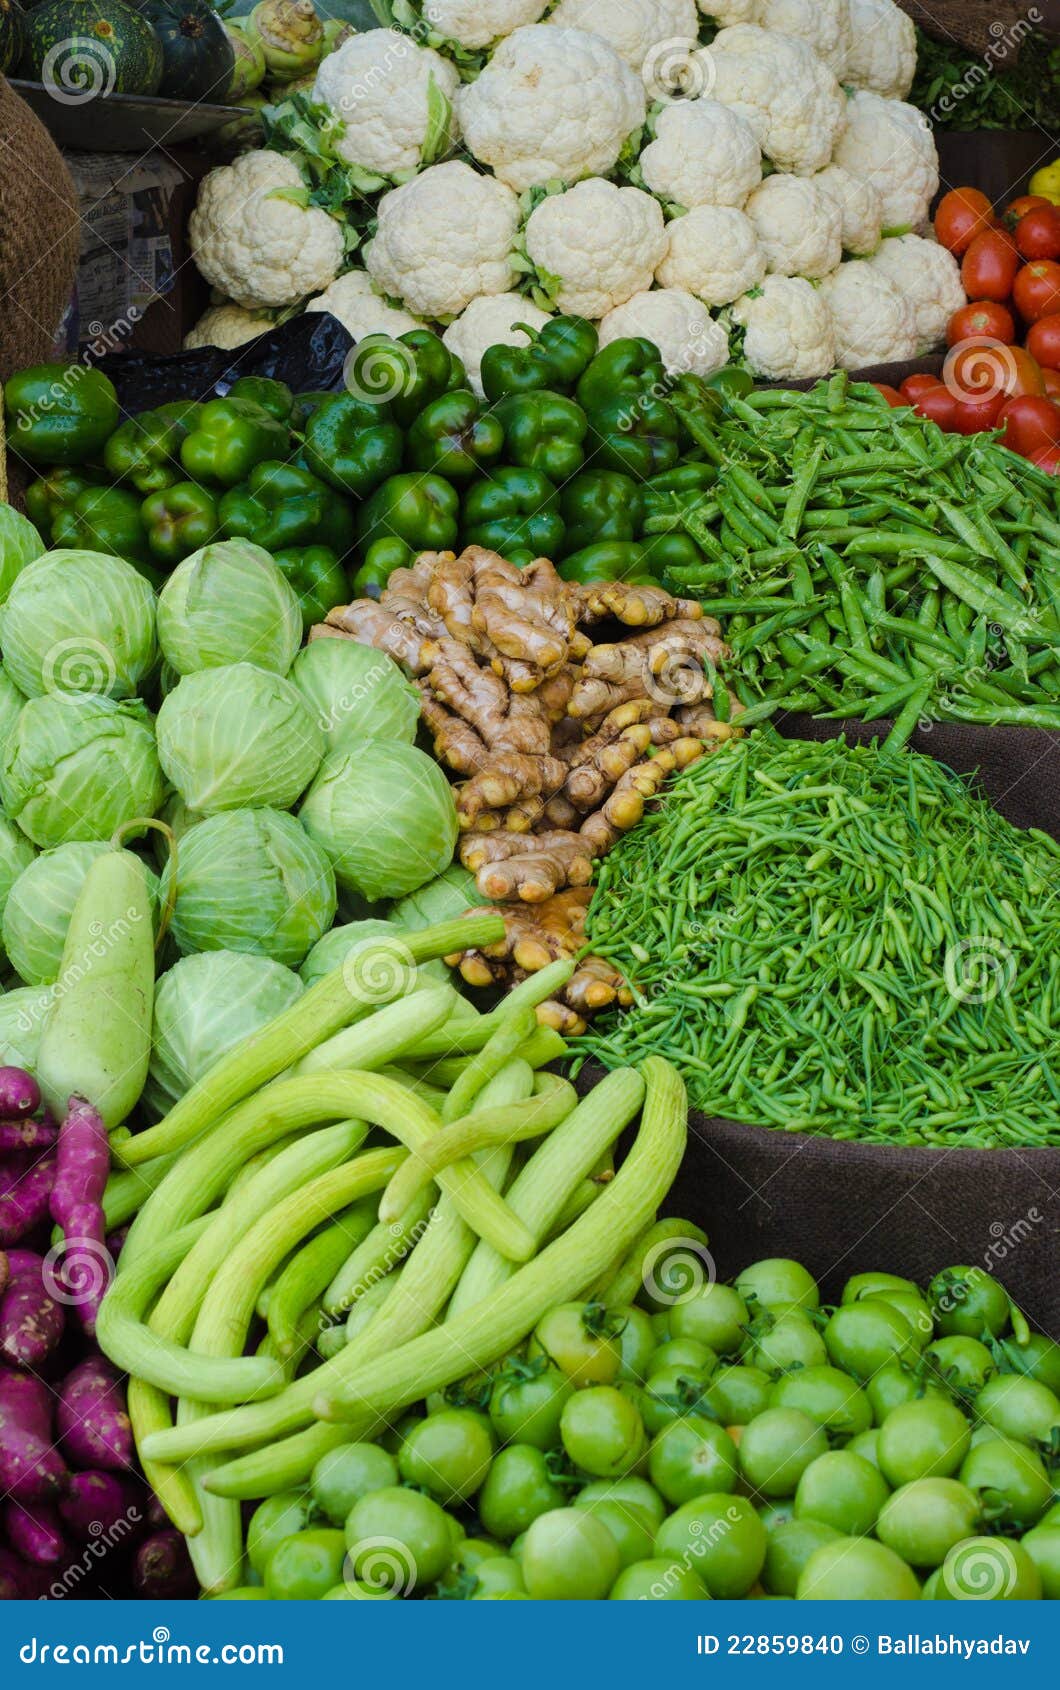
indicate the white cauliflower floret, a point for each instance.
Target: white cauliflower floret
{"x":789,"y":334}
{"x":227,"y":326}
{"x":859,"y":207}
{"x":890,"y":144}
{"x":491,"y":322}
{"x":680,"y":326}
{"x":444,"y":238}
{"x":633,"y":27}
{"x":601,"y":244}
{"x":823,"y":24}
{"x":787,"y":94}
{"x":725,"y":12}
{"x":702,"y":154}
{"x":873,"y":323}
{"x":258,"y":248}
{"x":551,"y":103}
{"x":379,"y":84}
{"x":354,"y":301}
{"x":882,"y":53}
{"x":930,"y":279}
{"x":477,"y":23}
{"x":799,"y":228}
{"x":713,"y":253}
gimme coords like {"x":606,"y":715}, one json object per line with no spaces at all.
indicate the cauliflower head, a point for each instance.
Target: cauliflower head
{"x":799,"y":228}
{"x":599,"y":243}
{"x":444,"y":238}
{"x":478,"y":23}
{"x":714,"y":253}
{"x":882,"y":53}
{"x":859,"y":207}
{"x":873,"y":323}
{"x":890,"y":144}
{"x":725,"y":12}
{"x":252,"y":238}
{"x":702,"y":154}
{"x":679,"y":324}
{"x":823,"y":24}
{"x":227,"y":326}
{"x":491,"y":322}
{"x":788,"y":334}
{"x":551,"y":104}
{"x":929,"y":277}
{"x":385,"y":90}
{"x":354,"y":301}
{"x":788,"y":95}
{"x":634,"y":27}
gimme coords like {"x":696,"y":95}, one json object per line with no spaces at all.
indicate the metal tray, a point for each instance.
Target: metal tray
{"x":125,"y":123}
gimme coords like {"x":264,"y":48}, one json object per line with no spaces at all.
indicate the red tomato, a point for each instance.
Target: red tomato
{"x":891,"y":394}
{"x":972,"y":416}
{"x":1023,"y":203}
{"x":1047,"y":458}
{"x":1036,"y":290}
{"x":1051,"y":379}
{"x":1038,"y":234}
{"x":913,"y":386}
{"x":984,"y":319}
{"x":1043,"y":341}
{"x":1029,"y":424}
{"x":939,"y":405}
{"x":977,"y":369}
{"x":989,"y":267}
{"x":963,"y":213}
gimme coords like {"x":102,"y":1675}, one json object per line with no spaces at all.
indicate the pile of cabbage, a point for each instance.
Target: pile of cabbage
{"x":274,"y":788}
{"x":733,"y":179}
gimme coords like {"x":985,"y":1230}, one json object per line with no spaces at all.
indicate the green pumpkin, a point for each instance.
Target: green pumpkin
{"x":89,"y":48}
{"x":197,"y":56}
{"x":12,"y":35}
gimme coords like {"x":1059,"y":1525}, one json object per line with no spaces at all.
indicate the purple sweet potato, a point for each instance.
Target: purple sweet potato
{"x":32,"y":1322}
{"x":162,"y":1569}
{"x":26,"y":1195}
{"x":27,"y":1134}
{"x":96,"y":1503}
{"x":10,"y":1577}
{"x":35,"y":1532}
{"x":31,"y":1468}
{"x":5,"y":1271}
{"x":116,"y":1240}
{"x":90,"y":1417}
{"x":19,"y":1092}
{"x":83,"y":1164}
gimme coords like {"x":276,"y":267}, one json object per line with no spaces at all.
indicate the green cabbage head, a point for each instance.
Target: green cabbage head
{"x":78,"y":765}
{"x":228,"y":603}
{"x":80,"y":622}
{"x":355,"y":692}
{"x":385,"y":815}
{"x":22,"y":1013}
{"x":16,"y":855}
{"x":40,"y":904}
{"x":19,"y":544}
{"x":238,"y":736}
{"x":204,"y":1005}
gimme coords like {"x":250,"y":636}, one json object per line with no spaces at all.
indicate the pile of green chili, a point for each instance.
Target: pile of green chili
{"x":838,"y":940}
{"x":867,"y":565}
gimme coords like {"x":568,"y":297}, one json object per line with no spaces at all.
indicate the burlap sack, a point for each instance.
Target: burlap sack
{"x":979,"y":25}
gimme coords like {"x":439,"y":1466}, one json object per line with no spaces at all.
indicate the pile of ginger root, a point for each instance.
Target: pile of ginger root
{"x":555,"y":743}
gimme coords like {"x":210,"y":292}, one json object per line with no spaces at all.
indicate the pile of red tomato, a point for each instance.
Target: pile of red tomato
{"x":1003,"y":370}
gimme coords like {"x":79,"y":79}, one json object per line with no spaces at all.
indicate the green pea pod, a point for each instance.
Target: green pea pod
{"x":454,"y":437}
{"x":544,"y":431}
{"x":59,"y":413}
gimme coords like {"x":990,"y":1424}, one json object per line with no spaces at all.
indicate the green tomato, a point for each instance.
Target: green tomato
{"x":856,"y":1569}
{"x":922,"y":1521}
{"x":968,"y":1301}
{"x":448,"y":1455}
{"x":842,"y":1489}
{"x":658,"y":1580}
{"x":353,"y":1591}
{"x":580,"y":1339}
{"x":692,"y":1458}
{"x":303,"y":1568}
{"x":894,"y":1384}
{"x":867,"y":1444}
{"x":497,"y":1577}
{"x":874,"y":1285}
{"x":633,"y":1493}
{"x":636,"y":1341}
{"x":398,"y":1540}
{"x":670,"y":1394}
{"x":721,"y":1537}
{"x":342,"y":1476}
{"x":960,"y":1364}
{"x":1051,"y":1517}
{"x":862,"y":1337}
{"x":914,"y":1310}
{"x":776,"y":1449}
{"x":777,"y":1282}
{"x":279,"y":1516}
{"x":631,"y":1528}
{"x":736,"y":1394}
{"x":828,"y":1396}
{"x":1043,"y":1546}
{"x":569,"y":1555}
{"x":923,"y":1439}
{"x":687,"y":1353}
{"x":716,"y":1316}
{"x":602,"y":1432}
{"x":1010,"y":1480}
{"x":470,"y":1553}
{"x":1020,"y":1407}
{"x":1039,"y":1356}
{"x":789,"y":1548}
{"x":242,"y":1593}
{"x":790,"y":1340}
{"x":518,"y":1488}
{"x":526,"y":1402}
{"x":989,"y":1569}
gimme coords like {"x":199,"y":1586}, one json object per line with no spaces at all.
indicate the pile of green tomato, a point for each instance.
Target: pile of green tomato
{"x":741,"y":1441}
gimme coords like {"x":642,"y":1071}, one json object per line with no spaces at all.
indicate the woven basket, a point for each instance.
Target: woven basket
{"x":976,"y":25}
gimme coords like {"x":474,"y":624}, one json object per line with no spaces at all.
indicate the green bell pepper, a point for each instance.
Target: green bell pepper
{"x":179,"y":519}
{"x":59,"y":413}
{"x":610,"y":560}
{"x":454,"y":437}
{"x":627,"y":369}
{"x":600,"y":504}
{"x":54,"y":492}
{"x":637,"y":437}
{"x":303,"y":407}
{"x":352,"y":445}
{"x":543,"y":431}
{"x":732,"y":381}
{"x":380,"y":561}
{"x":317,"y":577}
{"x":514,"y":510}
{"x":230,"y":437}
{"x":403,"y":375}
{"x":279,"y":506}
{"x":555,"y":357}
{"x":273,"y":396}
{"x":422,"y":510}
{"x":104,"y":519}
{"x":663,"y":552}
{"x":146,"y":449}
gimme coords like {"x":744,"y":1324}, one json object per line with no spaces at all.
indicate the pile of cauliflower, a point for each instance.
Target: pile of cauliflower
{"x":741,"y":178}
